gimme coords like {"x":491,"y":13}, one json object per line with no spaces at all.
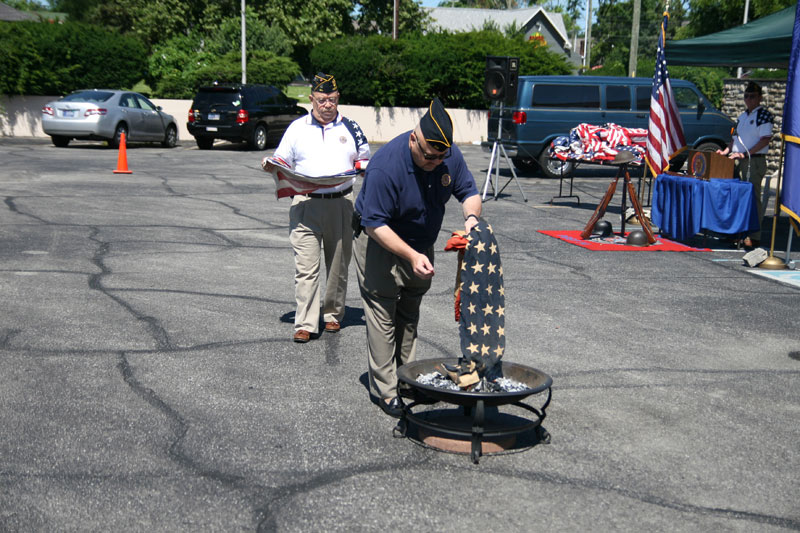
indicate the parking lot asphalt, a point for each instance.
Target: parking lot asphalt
{"x":148,"y":381}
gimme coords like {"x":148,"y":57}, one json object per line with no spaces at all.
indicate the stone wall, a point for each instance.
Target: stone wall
{"x":774,"y":97}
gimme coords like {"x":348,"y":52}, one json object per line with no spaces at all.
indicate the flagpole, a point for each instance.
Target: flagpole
{"x":772,"y":262}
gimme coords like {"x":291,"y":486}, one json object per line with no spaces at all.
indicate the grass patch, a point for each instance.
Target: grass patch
{"x":298,"y":92}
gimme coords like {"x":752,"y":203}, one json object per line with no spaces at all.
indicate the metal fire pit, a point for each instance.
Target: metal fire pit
{"x":474,"y":403}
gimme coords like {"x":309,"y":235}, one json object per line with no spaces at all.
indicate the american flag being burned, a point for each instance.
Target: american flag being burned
{"x":481,"y":309}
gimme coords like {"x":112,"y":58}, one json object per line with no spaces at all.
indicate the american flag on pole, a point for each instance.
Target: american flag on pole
{"x":665,"y":135}
{"x":289,"y":183}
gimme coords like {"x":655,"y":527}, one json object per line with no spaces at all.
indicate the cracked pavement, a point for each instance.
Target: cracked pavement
{"x":148,"y":381}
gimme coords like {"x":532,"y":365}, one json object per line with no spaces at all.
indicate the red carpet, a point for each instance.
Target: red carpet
{"x":617,"y":244}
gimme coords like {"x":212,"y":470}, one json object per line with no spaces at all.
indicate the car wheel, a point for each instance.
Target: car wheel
{"x":525,"y":165}
{"x":204,"y":143}
{"x":555,"y":168}
{"x":116,"y":140}
{"x":60,"y":140}
{"x":170,"y":137}
{"x":259,"y":139}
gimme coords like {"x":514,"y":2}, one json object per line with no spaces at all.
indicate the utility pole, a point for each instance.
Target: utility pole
{"x":244,"y":47}
{"x":746,"y":9}
{"x":588,"y":37}
{"x":637,"y":10}
{"x":394,"y":19}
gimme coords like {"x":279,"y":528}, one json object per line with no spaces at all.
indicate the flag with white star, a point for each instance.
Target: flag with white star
{"x":482,"y":324}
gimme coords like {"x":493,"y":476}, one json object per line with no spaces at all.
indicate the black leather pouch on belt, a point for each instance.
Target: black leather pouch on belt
{"x":356,"y":224}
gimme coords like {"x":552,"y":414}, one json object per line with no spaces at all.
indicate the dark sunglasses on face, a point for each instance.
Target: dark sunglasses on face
{"x":431,"y":157}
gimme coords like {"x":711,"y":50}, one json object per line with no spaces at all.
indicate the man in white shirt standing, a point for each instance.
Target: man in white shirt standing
{"x":323,"y":143}
{"x":749,"y":147}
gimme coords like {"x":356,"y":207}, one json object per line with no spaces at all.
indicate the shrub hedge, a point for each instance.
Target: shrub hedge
{"x":50,"y":59}
{"x":377,"y":71}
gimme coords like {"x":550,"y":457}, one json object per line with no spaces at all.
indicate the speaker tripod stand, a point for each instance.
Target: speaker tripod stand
{"x":494,"y":164}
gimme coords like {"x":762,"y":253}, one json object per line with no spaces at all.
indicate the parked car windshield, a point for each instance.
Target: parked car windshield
{"x":88,"y":96}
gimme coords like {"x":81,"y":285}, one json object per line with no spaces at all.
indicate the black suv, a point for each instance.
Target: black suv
{"x":255,"y":114}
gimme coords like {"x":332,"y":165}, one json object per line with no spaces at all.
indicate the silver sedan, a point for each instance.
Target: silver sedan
{"x":104,"y":115}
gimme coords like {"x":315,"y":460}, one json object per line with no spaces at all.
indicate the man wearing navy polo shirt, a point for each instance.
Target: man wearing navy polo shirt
{"x":401,"y":205}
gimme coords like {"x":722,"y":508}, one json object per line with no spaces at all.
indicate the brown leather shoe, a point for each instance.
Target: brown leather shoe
{"x":332,"y":326}
{"x":301,"y":335}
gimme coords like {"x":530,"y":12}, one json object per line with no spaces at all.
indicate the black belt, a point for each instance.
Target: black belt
{"x":757,"y":155}
{"x":329,"y":195}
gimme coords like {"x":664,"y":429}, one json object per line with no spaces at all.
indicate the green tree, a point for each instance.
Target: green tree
{"x":375,"y":70}
{"x":260,"y":36}
{"x":377,"y":16}
{"x":611,"y":34}
{"x":709,"y":16}
{"x":482,"y":4}
{"x":57,"y":58}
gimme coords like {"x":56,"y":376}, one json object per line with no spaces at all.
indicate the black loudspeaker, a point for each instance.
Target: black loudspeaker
{"x":501,"y":73}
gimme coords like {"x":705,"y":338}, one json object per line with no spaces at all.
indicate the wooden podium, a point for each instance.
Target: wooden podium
{"x":704,"y":165}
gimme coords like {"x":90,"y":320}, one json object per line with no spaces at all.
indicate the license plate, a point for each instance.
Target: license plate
{"x":69,"y":113}
{"x":213,"y":116}
{"x":211,"y":128}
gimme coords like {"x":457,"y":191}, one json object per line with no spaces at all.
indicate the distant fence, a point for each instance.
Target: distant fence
{"x":20,"y":116}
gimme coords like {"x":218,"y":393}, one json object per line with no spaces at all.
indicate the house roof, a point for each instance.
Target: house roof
{"x":10,"y":14}
{"x":467,"y":18}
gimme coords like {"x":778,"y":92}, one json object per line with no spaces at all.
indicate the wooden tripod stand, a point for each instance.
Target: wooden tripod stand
{"x":622,"y":160}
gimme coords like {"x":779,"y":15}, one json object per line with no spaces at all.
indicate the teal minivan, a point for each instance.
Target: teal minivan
{"x":550,"y":106}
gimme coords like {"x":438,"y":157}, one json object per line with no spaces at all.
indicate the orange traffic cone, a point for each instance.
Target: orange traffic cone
{"x":122,"y":159}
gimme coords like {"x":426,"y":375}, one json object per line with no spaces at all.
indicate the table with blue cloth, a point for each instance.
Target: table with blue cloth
{"x":683,"y":206}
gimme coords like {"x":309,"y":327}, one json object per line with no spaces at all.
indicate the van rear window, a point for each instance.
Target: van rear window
{"x":582,"y":96}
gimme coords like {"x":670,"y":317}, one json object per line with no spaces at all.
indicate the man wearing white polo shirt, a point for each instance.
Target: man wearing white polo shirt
{"x":323,"y":143}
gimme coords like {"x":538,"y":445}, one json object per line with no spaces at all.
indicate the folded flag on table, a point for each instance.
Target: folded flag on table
{"x":790,"y":130}
{"x":289,"y":183}
{"x":587,"y":142}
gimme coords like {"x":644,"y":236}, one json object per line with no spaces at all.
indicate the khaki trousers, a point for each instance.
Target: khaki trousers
{"x":317,"y":225}
{"x":754,"y":172}
{"x":392,"y":295}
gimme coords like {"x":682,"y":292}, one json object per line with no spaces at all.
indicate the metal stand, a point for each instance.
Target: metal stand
{"x":494,"y":163}
{"x":478,"y":430}
{"x":561,"y":185}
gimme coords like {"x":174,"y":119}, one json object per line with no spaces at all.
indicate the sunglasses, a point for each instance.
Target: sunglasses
{"x":431,"y":157}
{"x":748,"y":96}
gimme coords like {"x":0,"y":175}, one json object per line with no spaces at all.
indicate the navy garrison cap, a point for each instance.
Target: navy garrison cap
{"x":437,"y":126}
{"x":324,"y":83}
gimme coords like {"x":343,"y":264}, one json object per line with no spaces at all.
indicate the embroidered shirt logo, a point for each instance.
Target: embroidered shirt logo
{"x":446,"y":180}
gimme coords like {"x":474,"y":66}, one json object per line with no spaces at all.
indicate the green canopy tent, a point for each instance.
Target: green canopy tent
{"x":764,"y":43}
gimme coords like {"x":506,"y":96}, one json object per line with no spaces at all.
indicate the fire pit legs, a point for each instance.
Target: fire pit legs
{"x":477,"y":431}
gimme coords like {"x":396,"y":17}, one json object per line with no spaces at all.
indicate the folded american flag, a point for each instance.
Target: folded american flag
{"x":591,"y":143}
{"x":289,"y":183}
